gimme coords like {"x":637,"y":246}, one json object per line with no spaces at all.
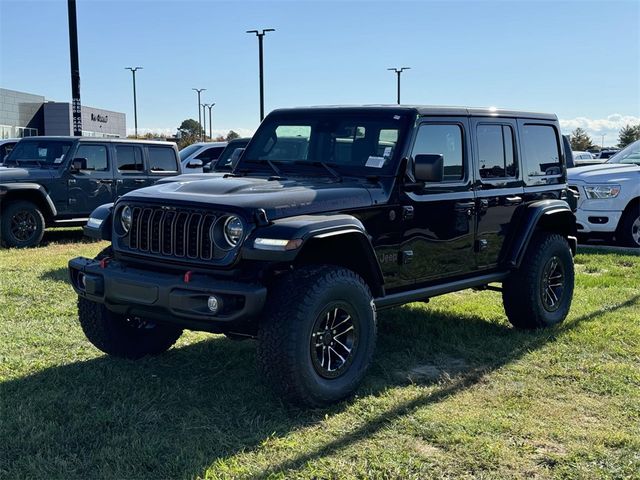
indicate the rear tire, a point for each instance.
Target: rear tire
{"x":22,"y":225}
{"x":124,"y":337}
{"x":539,"y":293}
{"x":317,"y":337}
{"x":630,"y":227}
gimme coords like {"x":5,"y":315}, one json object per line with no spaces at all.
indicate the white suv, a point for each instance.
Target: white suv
{"x":609,"y":202}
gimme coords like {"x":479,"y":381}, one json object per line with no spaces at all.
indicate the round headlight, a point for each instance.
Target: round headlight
{"x":233,"y":230}
{"x":126,"y":218}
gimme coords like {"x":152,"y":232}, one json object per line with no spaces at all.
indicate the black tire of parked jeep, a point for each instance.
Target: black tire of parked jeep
{"x":22,"y":225}
{"x":317,"y":337}
{"x":122,"y":336}
{"x":629,"y":233}
{"x":539,"y":293}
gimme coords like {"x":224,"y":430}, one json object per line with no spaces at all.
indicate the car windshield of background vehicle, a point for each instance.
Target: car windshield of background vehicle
{"x":187,"y":151}
{"x":630,"y":154}
{"x":42,"y":153}
{"x":351,"y":144}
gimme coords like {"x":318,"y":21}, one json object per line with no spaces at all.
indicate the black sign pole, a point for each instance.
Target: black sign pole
{"x":76,"y":108}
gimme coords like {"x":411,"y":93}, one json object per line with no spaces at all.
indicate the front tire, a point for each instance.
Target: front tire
{"x":22,"y":225}
{"x":630,"y":227}
{"x":317,"y":337}
{"x":539,"y":293}
{"x":124,"y":337}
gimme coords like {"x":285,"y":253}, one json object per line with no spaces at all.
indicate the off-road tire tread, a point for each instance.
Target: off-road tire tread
{"x":5,"y":219}
{"x":286,"y":303}
{"x":520,"y":291}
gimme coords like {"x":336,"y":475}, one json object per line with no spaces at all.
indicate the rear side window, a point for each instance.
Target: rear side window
{"x":541,"y":151}
{"x":162,"y":159}
{"x":129,"y":158}
{"x":445,"y":140}
{"x":96,"y":156}
{"x":495,"y":151}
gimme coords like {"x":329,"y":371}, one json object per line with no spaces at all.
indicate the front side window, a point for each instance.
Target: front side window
{"x":541,"y":151}
{"x":357,"y":143}
{"x":445,"y":140}
{"x":129,"y":158}
{"x":96,"y":156}
{"x":162,"y":159}
{"x":209,"y":155}
{"x":495,"y":151}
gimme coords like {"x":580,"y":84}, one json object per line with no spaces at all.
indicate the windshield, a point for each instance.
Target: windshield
{"x":365,"y":143}
{"x":224,"y":160}
{"x":186,"y":151}
{"x":42,"y":153}
{"x":630,"y":154}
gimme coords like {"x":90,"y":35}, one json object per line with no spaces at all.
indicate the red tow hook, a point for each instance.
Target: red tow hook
{"x":187,"y":276}
{"x":104,"y":261}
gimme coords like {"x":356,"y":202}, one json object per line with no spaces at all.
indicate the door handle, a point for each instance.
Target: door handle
{"x":139,"y":180}
{"x":106,"y":181}
{"x":465,"y":207}
{"x":513,"y":200}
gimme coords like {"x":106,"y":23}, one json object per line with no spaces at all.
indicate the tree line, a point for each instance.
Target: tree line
{"x":190,"y":131}
{"x":581,"y":141}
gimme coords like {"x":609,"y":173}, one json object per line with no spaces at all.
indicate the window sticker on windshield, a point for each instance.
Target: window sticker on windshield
{"x":387,"y":152}
{"x":375,"y":162}
{"x":59,"y":159}
{"x":396,"y":117}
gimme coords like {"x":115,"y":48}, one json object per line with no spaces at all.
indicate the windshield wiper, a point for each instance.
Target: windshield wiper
{"x":268,"y":162}
{"x":317,"y":163}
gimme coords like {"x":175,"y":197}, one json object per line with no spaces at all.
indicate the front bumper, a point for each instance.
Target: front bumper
{"x":597,"y":221}
{"x":166,"y":297}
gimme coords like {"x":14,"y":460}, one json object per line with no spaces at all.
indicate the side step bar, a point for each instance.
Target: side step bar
{"x":421,"y":294}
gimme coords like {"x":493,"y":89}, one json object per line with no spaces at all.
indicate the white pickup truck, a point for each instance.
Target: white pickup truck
{"x":609,"y":204}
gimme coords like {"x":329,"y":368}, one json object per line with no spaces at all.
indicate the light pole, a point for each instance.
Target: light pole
{"x":199,"y":90}
{"x":602,"y":144}
{"x":260,"y":36}
{"x":204,"y":120}
{"x":398,"y":72}
{"x":76,"y":108}
{"x":135,"y":107}
{"x":210,"y":128}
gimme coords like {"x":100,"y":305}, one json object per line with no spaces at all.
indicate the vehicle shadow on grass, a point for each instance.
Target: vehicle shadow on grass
{"x":64,"y":236}
{"x":177,"y":414}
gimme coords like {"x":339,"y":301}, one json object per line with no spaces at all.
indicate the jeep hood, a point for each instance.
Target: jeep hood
{"x":16,"y":174}
{"x":606,"y":172}
{"x":279,"y":198}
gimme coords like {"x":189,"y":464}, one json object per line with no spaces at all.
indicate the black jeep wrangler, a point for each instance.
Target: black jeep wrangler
{"x":59,"y":181}
{"x":331,"y":214}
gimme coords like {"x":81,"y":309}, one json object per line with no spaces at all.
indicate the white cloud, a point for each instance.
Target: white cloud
{"x":169,"y":132}
{"x":597,"y":127}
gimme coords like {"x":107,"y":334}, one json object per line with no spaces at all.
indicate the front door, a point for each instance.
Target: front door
{"x":499,"y":189}
{"x":93,"y":185}
{"x":439,"y":219}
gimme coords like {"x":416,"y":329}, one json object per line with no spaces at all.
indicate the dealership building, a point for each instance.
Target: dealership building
{"x":25,"y":115}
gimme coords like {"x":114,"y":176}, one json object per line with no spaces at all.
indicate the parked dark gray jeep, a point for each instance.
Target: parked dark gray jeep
{"x":59,"y":181}
{"x":330,"y":215}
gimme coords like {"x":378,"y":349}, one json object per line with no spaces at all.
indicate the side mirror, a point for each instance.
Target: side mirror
{"x":195,"y":163}
{"x":429,"y":167}
{"x":78,"y":164}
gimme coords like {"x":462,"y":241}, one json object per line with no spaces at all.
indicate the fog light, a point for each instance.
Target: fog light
{"x":213,"y":304}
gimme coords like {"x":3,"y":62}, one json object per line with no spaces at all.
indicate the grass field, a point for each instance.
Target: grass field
{"x":454,"y":391}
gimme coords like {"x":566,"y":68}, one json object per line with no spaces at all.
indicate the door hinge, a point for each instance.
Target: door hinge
{"x":406,"y":256}
{"x":407,"y":212}
{"x":481,"y":245}
{"x":72,"y":201}
{"x":71,"y":182}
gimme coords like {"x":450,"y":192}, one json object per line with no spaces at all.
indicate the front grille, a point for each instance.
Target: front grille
{"x":172,"y":233}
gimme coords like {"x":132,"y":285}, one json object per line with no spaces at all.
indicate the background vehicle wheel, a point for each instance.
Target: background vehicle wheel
{"x":539,"y":293}
{"x":317,"y":337}
{"x":22,"y":225}
{"x":125,"y":337}
{"x":630,"y":227}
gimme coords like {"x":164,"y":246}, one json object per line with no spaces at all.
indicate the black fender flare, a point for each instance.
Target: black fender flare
{"x":5,"y":188}
{"x":99,"y":224}
{"x":302,"y":232}
{"x":548,"y":215}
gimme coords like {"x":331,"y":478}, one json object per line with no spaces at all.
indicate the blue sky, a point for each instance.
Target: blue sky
{"x":578,"y":59}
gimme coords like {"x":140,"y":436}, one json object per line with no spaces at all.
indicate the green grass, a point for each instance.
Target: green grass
{"x":454,"y":392}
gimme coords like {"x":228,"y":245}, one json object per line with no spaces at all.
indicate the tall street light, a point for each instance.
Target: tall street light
{"x":135,"y":107}
{"x":398,"y":72}
{"x":199,"y":90}
{"x":204,"y":120}
{"x":260,"y":35}
{"x":210,"y":124}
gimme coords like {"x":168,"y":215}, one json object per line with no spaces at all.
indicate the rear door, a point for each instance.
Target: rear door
{"x":162,"y":161}
{"x":499,"y":186}
{"x":130,"y":167}
{"x":92,"y":186}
